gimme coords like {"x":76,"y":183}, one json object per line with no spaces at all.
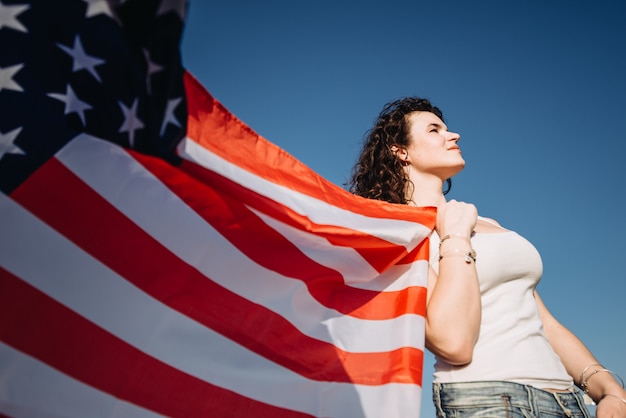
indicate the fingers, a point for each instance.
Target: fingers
{"x":456,"y":218}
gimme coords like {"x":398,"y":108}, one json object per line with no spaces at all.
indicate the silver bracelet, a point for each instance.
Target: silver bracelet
{"x":582,"y":375}
{"x":585,"y":386}
{"x":469,"y":255}
{"x":448,"y":236}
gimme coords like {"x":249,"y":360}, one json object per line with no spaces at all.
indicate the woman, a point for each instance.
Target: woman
{"x":499,"y":352}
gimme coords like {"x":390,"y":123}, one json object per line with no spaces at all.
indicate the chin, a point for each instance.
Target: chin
{"x":456,"y":170}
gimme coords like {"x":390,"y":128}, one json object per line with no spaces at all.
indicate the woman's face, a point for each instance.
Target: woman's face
{"x":433,"y":149}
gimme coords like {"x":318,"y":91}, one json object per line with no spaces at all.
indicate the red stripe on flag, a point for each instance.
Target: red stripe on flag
{"x":63,"y":201}
{"x":68,"y":342}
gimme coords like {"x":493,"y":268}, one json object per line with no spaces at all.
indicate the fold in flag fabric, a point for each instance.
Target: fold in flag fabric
{"x":159,"y":258}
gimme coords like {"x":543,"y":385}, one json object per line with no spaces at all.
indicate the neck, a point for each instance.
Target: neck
{"x":427,"y":191}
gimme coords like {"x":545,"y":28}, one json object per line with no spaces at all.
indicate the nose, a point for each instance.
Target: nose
{"x":453,"y":136}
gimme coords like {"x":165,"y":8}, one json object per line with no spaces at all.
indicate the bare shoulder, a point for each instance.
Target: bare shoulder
{"x":490,"y":220}
{"x":488,"y":225}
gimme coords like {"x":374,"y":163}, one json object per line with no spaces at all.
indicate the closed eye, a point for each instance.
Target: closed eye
{"x":435,"y":127}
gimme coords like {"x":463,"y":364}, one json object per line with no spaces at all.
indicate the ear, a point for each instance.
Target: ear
{"x":400,"y":152}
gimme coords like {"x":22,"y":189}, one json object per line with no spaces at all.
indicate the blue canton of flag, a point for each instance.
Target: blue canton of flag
{"x":110,"y":69}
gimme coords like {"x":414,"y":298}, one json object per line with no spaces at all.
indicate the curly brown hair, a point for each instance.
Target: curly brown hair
{"x":378,"y":173}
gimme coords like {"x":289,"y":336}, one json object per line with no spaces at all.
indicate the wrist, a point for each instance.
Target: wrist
{"x":469,"y":255}
{"x":606,"y":384}
{"x":452,"y":236}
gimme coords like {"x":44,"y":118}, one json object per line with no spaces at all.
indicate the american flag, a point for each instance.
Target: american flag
{"x":158,"y":257}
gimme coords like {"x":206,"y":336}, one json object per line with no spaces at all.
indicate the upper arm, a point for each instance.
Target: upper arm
{"x":432,"y":282}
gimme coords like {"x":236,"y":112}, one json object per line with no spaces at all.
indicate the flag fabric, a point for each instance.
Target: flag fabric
{"x":159,"y":258}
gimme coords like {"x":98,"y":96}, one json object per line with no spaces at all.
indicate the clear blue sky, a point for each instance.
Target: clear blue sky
{"x":537,"y":90}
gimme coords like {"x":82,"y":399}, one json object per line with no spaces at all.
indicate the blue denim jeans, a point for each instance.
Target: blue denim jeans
{"x":504,"y":400}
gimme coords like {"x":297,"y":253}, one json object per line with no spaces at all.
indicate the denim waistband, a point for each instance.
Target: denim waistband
{"x":527,"y":400}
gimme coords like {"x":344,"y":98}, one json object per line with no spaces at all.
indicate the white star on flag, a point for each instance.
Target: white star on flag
{"x":172,"y":104}
{"x":7,"y":145}
{"x":131,"y":121}
{"x":152,"y":69}
{"x":6,"y":78}
{"x":96,"y":7}
{"x":72,"y":103}
{"x":8,"y":16}
{"x":82,"y":61}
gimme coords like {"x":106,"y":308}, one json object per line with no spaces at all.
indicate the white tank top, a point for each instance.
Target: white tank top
{"x":512,"y":345}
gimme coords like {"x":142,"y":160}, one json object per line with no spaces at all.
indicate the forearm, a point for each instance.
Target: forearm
{"x":454,"y":311}
{"x":585,"y":369}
